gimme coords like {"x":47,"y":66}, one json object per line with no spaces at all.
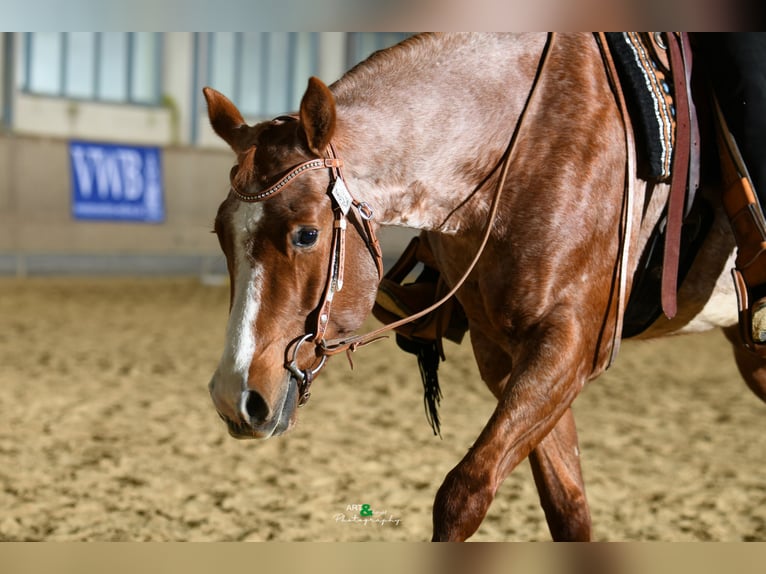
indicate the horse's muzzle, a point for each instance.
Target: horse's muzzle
{"x":257,"y":420}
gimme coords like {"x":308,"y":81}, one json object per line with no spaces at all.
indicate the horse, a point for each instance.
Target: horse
{"x":511,"y":154}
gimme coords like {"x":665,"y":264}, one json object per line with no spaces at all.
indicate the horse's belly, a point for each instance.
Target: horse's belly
{"x":719,"y":311}
{"x":700,"y":308}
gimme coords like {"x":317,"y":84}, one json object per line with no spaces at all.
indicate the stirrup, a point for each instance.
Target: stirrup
{"x":746,"y":310}
{"x":758,"y":321}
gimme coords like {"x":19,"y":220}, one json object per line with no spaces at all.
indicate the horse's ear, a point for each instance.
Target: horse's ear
{"x":318,"y":115}
{"x":226,"y":120}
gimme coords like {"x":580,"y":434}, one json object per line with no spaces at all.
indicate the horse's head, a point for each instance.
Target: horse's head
{"x":285,"y":244}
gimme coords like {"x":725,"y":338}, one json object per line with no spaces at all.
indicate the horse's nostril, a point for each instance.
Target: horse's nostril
{"x":256,"y":408}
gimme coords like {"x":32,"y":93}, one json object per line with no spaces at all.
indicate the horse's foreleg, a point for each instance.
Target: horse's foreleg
{"x":751,"y":367}
{"x":556,"y":467}
{"x":538,"y":393}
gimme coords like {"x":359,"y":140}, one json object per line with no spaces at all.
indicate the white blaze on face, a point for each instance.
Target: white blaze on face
{"x":230,"y":379}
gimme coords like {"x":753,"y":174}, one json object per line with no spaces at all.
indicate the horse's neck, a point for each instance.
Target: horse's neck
{"x":420,"y":133}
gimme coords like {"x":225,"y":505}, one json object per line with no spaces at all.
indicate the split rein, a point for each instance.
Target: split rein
{"x":342,"y":203}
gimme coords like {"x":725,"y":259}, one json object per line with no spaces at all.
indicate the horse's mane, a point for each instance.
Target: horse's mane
{"x":407,"y":54}
{"x":380,"y":60}
{"x":407,"y":63}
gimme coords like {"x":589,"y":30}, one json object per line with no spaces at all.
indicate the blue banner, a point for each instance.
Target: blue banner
{"x":113,"y":182}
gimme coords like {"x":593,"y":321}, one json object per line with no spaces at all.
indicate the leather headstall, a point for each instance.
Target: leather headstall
{"x":342,"y":203}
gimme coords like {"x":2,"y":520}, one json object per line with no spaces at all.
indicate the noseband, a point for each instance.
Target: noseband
{"x":342,"y":203}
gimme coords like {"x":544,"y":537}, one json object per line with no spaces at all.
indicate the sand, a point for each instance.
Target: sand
{"x":107,"y":433}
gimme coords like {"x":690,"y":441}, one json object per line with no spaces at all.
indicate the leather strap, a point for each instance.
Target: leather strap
{"x":628,"y":198}
{"x":336,"y":268}
{"x":747,"y":223}
{"x":678,"y":179}
{"x":287,"y":179}
{"x":364,"y":216}
{"x":334,"y":281}
{"x":694,"y":144}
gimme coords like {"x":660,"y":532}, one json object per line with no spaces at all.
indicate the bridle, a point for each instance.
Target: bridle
{"x":343,"y":203}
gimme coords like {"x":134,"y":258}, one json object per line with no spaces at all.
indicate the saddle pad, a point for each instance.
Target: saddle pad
{"x":650,"y":100}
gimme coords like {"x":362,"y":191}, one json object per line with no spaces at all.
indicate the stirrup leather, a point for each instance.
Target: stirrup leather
{"x":749,"y":227}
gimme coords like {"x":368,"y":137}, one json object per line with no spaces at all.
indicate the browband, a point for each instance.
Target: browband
{"x":288,"y":179}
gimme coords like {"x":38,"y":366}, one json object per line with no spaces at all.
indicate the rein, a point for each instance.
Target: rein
{"x":343,"y":201}
{"x":333,"y":347}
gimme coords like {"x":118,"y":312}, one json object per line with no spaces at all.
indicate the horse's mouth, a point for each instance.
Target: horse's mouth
{"x":242,"y":431}
{"x":280,"y":423}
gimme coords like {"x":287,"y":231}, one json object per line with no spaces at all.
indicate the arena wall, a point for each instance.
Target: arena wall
{"x":38,"y":234}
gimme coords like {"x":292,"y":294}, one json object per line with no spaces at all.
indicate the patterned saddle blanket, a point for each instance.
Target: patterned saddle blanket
{"x":642,"y":64}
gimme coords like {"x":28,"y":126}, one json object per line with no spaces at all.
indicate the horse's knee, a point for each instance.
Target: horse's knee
{"x":751,"y":367}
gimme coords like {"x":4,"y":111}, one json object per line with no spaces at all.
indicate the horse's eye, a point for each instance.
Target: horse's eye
{"x":305,"y":237}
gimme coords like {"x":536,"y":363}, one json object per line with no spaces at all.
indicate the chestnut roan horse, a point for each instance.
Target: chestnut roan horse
{"x":427,"y":134}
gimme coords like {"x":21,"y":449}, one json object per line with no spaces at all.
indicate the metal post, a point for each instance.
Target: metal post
{"x":8,"y":79}
{"x":196,"y":63}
